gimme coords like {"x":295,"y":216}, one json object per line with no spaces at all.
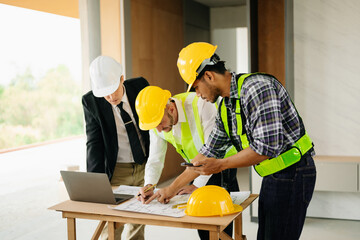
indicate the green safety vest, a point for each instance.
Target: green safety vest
{"x":273,"y":165}
{"x":192,"y":135}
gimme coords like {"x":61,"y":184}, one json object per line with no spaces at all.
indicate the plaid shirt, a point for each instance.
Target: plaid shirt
{"x":272,"y":124}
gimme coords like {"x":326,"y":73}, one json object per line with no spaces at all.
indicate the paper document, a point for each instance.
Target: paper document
{"x":155,"y":207}
{"x":130,"y":190}
{"x":134,"y":205}
{"x":239,"y":197}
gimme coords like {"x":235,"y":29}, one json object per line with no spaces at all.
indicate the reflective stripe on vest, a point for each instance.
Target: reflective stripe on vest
{"x":286,"y":159}
{"x":273,"y":165}
{"x":192,"y":135}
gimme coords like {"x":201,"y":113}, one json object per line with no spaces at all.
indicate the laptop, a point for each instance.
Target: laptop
{"x":91,"y":187}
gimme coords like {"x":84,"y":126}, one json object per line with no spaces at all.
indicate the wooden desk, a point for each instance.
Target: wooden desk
{"x":84,"y":210}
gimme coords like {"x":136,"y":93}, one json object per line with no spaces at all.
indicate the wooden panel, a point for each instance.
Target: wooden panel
{"x":271,"y":38}
{"x":197,"y":22}
{"x":336,"y":177}
{"x":197,"y":15}
{"x":157,"y":38}
{"x":353,"y":159}
{"x":68,"y":8}
{"x":110,"y":27}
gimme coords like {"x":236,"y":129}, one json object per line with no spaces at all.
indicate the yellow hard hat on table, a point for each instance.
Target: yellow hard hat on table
{"x":209,"y":201}
{"x":191,"y":58}
{"x":150,"y":104}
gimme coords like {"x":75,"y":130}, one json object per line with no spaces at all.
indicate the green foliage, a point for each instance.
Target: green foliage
{"x":2,"y":88}
{"x":24,"y":81}
{"x":34,"y":111}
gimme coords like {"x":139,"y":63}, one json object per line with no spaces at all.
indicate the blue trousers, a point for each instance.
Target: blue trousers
{"x":283,"y":201}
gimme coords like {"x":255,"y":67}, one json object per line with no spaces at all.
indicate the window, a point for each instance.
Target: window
{"x":40,"y":84}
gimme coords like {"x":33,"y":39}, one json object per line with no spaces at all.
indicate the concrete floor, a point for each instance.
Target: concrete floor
{"x":30,"y":183}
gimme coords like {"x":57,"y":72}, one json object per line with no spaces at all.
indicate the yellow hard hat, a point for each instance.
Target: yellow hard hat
{"x":211,"y":200}
{"x":191,"y":58}
{"x":150,"y":104}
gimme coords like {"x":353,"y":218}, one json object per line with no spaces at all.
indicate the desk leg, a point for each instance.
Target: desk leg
{"x":111,"y":227}
{"x":238,"y":228}
{"x":213,"y":235}
{"x":224,"y":236}
{"x":71,"y":226}
{"x":98,"y":230}
{"x":117,"y":225}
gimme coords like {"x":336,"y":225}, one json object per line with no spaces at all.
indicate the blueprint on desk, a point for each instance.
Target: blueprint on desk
{"x":134,"y":205}
{"x":155,"y":207}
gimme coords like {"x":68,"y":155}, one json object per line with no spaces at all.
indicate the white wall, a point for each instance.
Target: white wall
{"x":327,"y":86}
{"x":228,"y":17}
{"x":229,"y":31}
{"x":327,"y":81}
{"x":242,"y":50}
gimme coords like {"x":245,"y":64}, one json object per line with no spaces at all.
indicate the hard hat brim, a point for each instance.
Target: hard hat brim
{"x":102,"y":92}
{"x":149,"y":126}
{"x":237,"y":208}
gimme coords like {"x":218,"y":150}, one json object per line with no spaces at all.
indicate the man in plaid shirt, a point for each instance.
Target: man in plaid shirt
{"x":258,"y":117}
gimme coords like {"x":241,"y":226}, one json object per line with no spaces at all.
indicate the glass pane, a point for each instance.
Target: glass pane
{"x":40,"y":84}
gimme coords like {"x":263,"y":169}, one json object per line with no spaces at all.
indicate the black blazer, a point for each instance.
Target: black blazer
{"x":102,"y":143}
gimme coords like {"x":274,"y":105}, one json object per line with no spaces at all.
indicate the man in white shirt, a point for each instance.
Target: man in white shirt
{"x":185,"y":121}
{"x":110,"y":139}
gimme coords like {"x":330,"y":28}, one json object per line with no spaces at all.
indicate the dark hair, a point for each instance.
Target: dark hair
{"x":219,"y":67}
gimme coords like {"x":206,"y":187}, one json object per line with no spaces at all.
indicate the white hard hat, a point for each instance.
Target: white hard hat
{"x":105,"y":74}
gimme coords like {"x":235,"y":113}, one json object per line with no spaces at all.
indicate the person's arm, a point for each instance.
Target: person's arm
{"x":95,"y":150}
{"x":145,"y":192}
{"x":244,"y":158}
{"x":154,"y":165}
{"x":207,"y":113}
{"x":187,"y":189}
{"x":165,"y":194}
{"x":156,"y":160}
{"x":263,"y":115}
{"x":200,"y":181}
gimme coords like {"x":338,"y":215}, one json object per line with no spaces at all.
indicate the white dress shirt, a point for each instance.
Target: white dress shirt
{"x":158,"y":146}
{"x":124,"y":154}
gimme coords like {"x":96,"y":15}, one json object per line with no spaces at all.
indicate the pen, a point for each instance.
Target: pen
{"x":179,"y":205}
{"x":149,"y":188}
